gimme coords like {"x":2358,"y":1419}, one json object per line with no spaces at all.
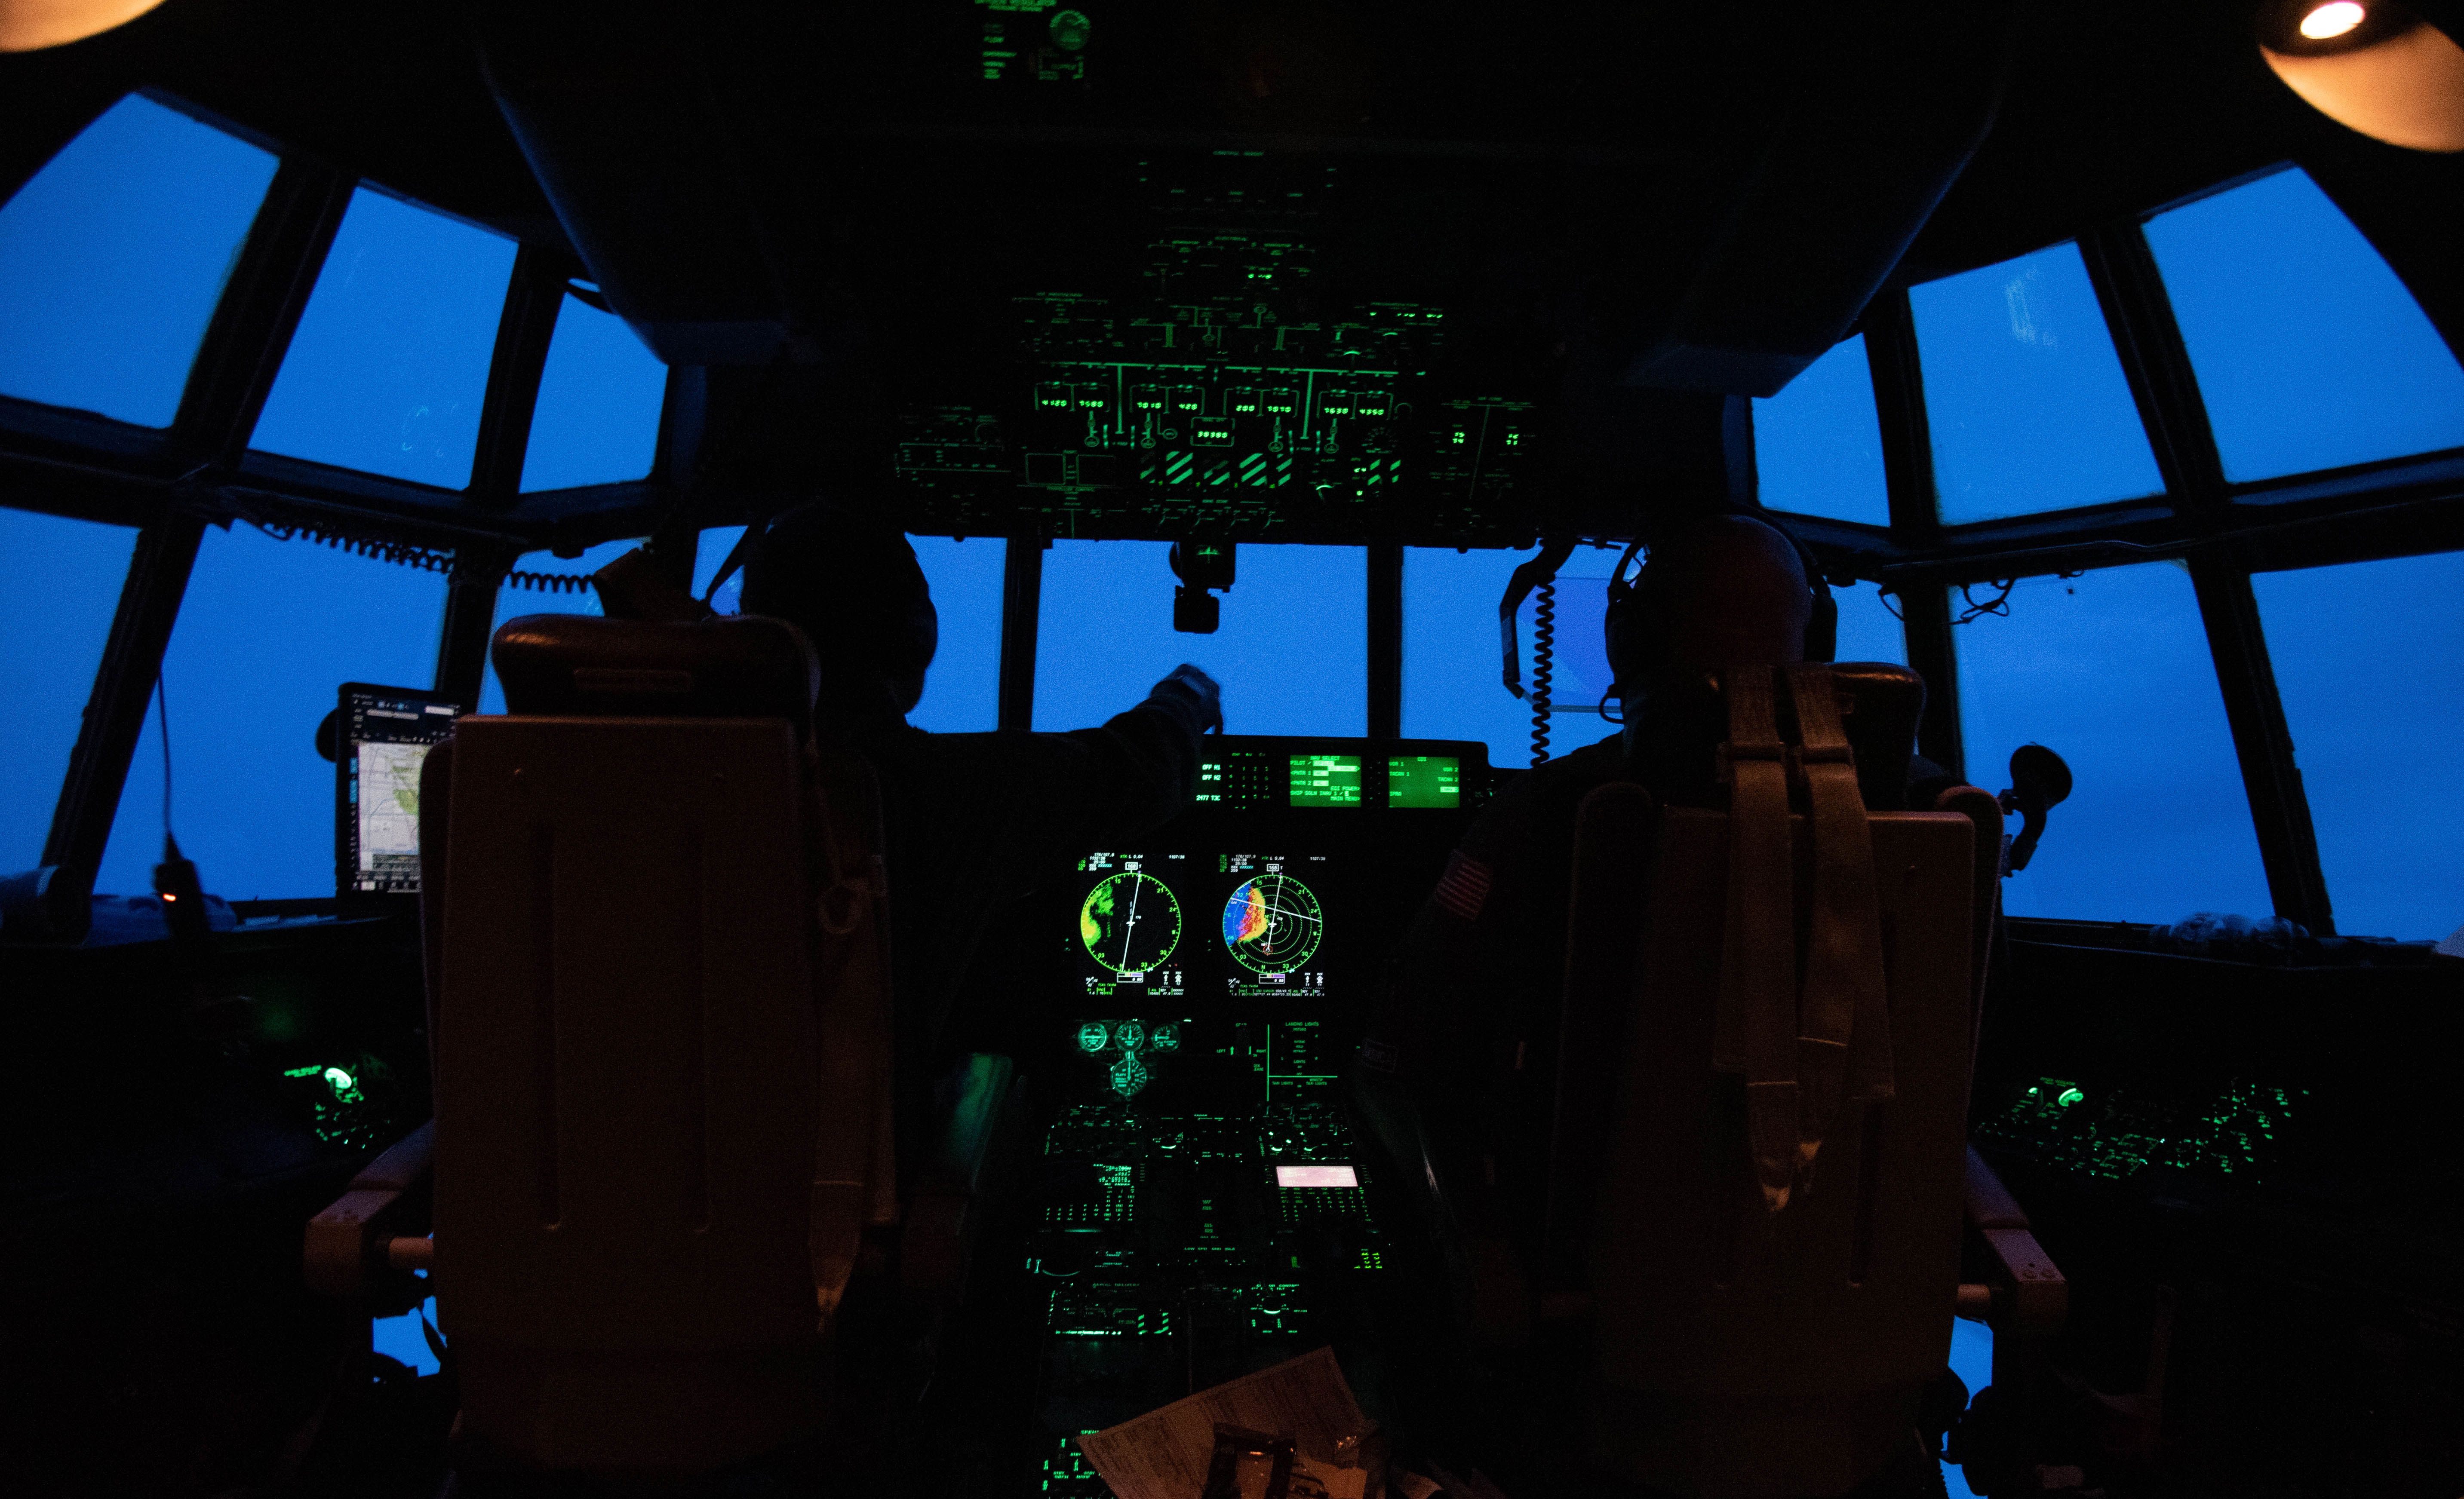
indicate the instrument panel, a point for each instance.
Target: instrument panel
{"x":1205,"y":1207}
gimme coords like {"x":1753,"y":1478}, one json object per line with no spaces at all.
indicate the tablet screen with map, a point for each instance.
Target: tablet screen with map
{"x":385,"y":735}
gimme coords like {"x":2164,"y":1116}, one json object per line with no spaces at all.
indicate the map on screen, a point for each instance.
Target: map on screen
{"x":385,"y":735}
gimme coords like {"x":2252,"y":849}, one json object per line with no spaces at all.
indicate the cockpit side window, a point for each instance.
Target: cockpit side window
{"x":2112,"y":669}
{"x":1818,"y":444}
{"x":1291,"y":653}
{"x":597,"y":421}
{"x":2365,"y":661}
{"x":1451,"y":682}
{"x":390,"y":366}
{"x":1450,"y":676}
{"x":2310,"y":352}
{"x":59,"y":583}
{"x":113,"y":255}
{"x":268,"y":630}
{"x":962,"y":691}
{"x":2024,"y":393}
{"x":1870,"y":628}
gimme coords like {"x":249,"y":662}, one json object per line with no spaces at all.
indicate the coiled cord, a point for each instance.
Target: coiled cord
{"x":549,"y":582}
{"x":1544,"y":666}
{"x":427,"y":559}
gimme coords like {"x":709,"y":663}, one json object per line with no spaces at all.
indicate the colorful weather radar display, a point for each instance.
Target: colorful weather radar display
{"x":1131,"y":924}
{"x":1272,"y":924}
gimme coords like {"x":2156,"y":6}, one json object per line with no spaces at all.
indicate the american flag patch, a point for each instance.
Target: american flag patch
{"x":1464,"y":889}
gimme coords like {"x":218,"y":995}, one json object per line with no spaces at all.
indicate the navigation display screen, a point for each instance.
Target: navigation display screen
{"x":1234,"y":925}
{"x":1270,"y":772}
{"x":1423,"y":780}
{"x":386,"y":734}
{"x":1326,"y":781}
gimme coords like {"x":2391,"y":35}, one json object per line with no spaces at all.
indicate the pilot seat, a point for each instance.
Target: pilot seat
{"x":658,"y":973}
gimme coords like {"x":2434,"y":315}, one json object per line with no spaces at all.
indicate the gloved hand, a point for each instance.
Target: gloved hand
{"x":1192,"y":686}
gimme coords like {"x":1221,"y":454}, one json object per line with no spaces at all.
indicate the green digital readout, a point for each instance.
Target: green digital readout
{"x":1326,"y":781}
{"x":1423,"y":780}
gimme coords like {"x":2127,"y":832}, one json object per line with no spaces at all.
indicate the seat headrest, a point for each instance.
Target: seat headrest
{"x":1880,"y":704}
{"x":732,"y":666}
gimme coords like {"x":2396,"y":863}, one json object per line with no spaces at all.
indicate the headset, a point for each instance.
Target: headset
{"x":1637,"y":621}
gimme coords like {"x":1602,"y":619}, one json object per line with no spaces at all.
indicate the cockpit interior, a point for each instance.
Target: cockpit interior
{"x":463,"y":963}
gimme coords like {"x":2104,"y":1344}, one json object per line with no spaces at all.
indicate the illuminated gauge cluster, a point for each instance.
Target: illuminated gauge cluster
{"x":1129,"y":1050}
{"x":1238,"y":926}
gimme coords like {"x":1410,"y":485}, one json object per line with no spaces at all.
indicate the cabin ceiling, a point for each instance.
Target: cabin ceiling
{"x":1629,"y":213}
{"x":2103,"y":112}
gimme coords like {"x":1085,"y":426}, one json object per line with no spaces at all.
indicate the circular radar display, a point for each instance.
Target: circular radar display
{"x":1272,"y":924}
{"x":1130,"y":922}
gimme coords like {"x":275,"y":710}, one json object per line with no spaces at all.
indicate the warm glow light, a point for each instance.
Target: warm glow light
{"x":2405,"y":88}
{"x":29,"y":25}
{"x":2331,"y":20}
{"x":169,"y":896}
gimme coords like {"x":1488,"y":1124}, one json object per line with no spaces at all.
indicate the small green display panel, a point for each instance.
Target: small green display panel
{"x":1423,"y":780}
{"x":1326,"y":781}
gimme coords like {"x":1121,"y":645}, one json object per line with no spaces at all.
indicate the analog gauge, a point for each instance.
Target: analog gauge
{"x":1131,"y":1035}
{"x":1092,"y":1036}
{"x":1131,"y":923}
{"x":1272,"y":924}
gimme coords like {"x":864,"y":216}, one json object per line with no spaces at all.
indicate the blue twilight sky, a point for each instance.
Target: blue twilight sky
{"x":2024,"y":393}
{"x":2308,"y":352}
{"x":391,"y":363}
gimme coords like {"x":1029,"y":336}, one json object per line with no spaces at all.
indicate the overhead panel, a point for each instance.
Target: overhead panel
{"x":1306,"y":274}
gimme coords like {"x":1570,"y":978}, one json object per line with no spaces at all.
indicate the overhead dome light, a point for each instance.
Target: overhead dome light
{"x":32,"y":24}
{"x":2331,"y":21}
{"x":2373,"y":67}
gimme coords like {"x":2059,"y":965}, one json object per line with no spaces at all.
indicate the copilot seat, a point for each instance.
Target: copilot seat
{"x":1759,"y":1158}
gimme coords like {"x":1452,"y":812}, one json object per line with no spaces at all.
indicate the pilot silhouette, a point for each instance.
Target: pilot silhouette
{"x":970,"y":821}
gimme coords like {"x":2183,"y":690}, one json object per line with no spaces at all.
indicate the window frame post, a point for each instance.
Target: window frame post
{"x":2139,"y":313}
{"x":1892,"y":360}
{"x":534,"y":299}
{"x":1022,"y":607}
{"x":123,"y":690}
{"x":245,"y":341}
{"x":1385,"y":640}
{"x":470,"y":593}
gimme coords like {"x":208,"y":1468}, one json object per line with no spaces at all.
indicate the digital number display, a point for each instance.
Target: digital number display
{"x":1423,"y":780}
{"x":1326,"y":781}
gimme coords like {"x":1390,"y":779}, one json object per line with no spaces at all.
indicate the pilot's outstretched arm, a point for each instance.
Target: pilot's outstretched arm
{"x":976,"y":820}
